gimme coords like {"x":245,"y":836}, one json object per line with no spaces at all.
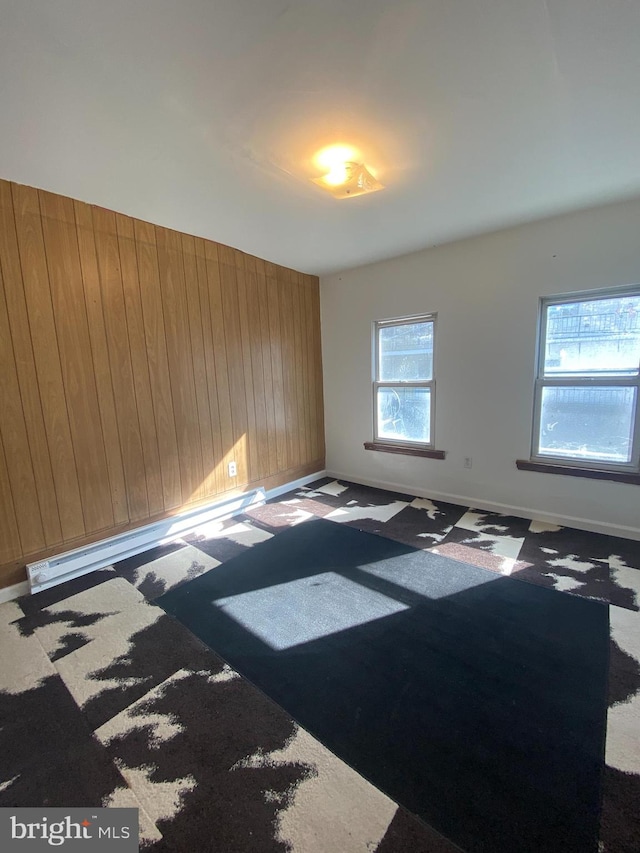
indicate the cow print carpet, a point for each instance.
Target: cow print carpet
{"x":106,"y":700}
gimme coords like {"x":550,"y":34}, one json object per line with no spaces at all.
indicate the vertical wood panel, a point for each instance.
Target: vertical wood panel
{"x":201,"y":387}
{"x":223,"y":389}
{"x":14,"y":438}
{"x":72,"y":332}
{"x":254,"y":331}
{"x":317,"y":361}
{"x":47,"y":359}
{"x":10,"y":546}
{"x":100,"y":361}
{"x":139,"y":361}
{"x":180,"y":362}
{"x":135,"y":363}
{"x":215,"y":480}
{"x":300,"y":359}
{"x":254,"y":467}
{"x":277,"y":356}
{"x":267,"y":367}
{"x":231,"y":322}
{"x":310,"y":379}
{"x":108,"y":256}
{"x":158,"y":363}
{"x":287,"y":331}
{"x":26,"y":368}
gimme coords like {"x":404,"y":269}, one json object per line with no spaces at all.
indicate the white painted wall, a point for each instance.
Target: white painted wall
{"x":485,"y":291}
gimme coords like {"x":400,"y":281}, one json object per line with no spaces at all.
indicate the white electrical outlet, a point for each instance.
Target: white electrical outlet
{"x":233,"y":469}
{"x":467,"y":462}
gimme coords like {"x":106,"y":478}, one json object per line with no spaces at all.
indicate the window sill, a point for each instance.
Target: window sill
{"x":403,"y":449}
{"x":573,"y":471}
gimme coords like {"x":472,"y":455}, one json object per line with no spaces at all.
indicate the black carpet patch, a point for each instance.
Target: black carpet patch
{"x":421,"y":528}
{"x":219,"y":725}
{"x":51,"y":759}
{"x":70,"y":642}
{"x":407,"y":834}
{"x":475,"y":701}
{"x":624,"y":675}
{"x":31,"y":604}
{"x":156,"y":652}
{"x":620,"y":813}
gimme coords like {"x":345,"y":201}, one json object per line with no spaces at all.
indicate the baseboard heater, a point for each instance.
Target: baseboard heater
{"x":44,"y":574}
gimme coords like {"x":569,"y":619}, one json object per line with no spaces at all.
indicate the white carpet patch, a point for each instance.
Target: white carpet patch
{"x":433,"y":537}
{"x":625,"y":577}
{"x":225,"y":674}
{"x":477,"y":521}
{"x":79,"y":670}
{"x":107,"y":601}
{"x":623,"y":743}
{"x":334,"y":809}
{"x":502,"y":546}
{"x":174,"y":568}
{"x":163,"y":727}
{"x":9,"y":612}
{"x":508,"y":564}
{"x":625,"y":630}
{"x":623,"y":719}
{"x":23,"y":663}
{"x":429,"y":506}
{"x":113,"y":596}
{"x":376,"y":513}
{"x":160,"y":800}
{"x":564,"y":583}
{"x":334,"y":488}
{"x":543,"y":527}
{"x":573,"y":563}
{"x":124,"y":798}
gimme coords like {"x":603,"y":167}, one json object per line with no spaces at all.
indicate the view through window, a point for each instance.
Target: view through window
{"x":586,"y":406}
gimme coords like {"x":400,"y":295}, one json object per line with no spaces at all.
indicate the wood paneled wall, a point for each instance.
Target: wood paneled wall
{"x":135,"y":363}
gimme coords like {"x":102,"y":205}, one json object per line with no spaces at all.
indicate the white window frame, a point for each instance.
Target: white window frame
{"x":543,"y":381}
{"x":422,"y":383}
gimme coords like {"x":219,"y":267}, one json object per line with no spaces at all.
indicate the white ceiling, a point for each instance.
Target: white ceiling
{"x":203,"y":115}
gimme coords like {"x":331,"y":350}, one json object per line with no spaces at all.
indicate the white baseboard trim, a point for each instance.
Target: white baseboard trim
{"x":493,"y":506}
{"x":294,"y":484}
{"x":9,"y":593}
{"x":44,"y":574}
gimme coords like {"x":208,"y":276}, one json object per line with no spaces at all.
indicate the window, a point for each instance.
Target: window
{"x":404,"y":386}
{"x":586,"y":399}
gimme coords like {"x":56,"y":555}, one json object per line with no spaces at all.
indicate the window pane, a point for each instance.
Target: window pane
{"x":593,"y":338}
{"x":589,"y":424}
{"x":404,"y":414}
{"x":406,"y":352}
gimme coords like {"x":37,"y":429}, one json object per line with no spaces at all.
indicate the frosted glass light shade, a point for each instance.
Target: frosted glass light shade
{"x":348,"y":180}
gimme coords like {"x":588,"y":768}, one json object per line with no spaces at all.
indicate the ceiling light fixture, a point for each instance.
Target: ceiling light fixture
{"x":345,"y":178}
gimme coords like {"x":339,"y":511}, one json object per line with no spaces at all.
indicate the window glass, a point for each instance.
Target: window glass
{"x":588,"y":384}
{"x":596,"y":337}
{"x":404,"y":413}
{"x":406,"y":352}
{"x":593,"y":424}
